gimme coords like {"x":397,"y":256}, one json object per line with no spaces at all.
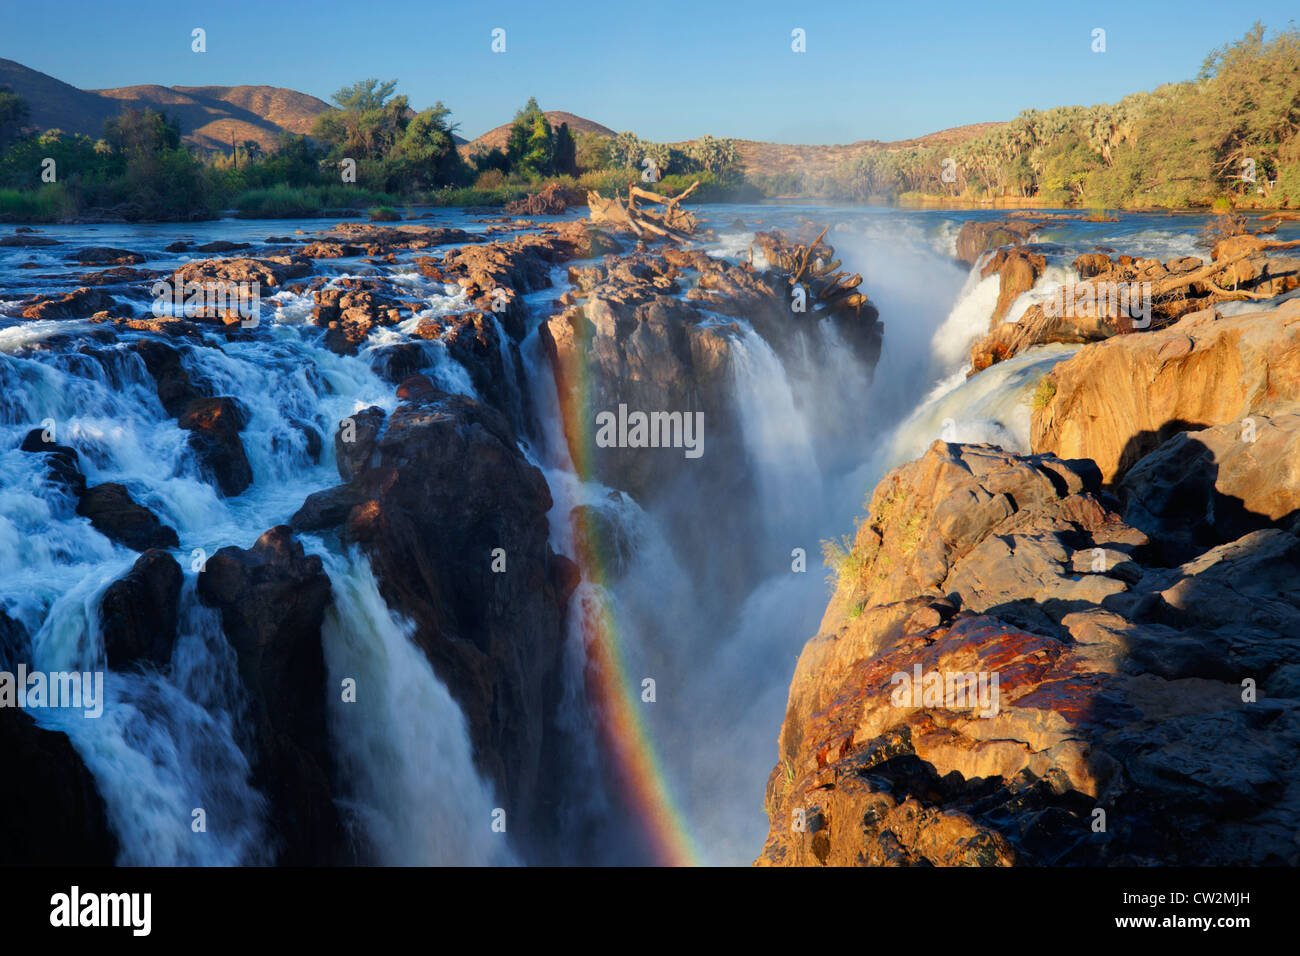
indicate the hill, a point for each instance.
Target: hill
{"x":210,"y":116}
{"x":497,"y":138}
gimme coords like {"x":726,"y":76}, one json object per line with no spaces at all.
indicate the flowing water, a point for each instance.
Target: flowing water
{"x":817,"y":434}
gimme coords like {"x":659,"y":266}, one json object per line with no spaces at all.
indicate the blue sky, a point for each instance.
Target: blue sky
{"x":667,"y":70}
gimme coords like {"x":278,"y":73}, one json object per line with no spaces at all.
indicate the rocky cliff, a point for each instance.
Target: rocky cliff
{"x":1083,"y":659}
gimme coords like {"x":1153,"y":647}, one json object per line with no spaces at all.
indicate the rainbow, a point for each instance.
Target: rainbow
{"x":624,"y":737}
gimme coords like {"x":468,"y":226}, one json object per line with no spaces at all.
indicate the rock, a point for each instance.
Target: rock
{"x":1117,"y":684}
{"x":106,"y":256}
{"x":27,"y":240}
{"x":352,"y":308}
{"x":354,"y":442}
{"x":14,"y":643}
{"x":1214,"y":485}
{"x":429,"y":499}
{"x":267,"y":272}
{"x":138,"y":612}
{"x":61,"y":461}
{"x":214,"y":425}
{"x":223,"y":245}
{"x":180,"y":245}
{"x":177,"y":385}
{"x":272,"y":598}
{"x":1204,"y":370}
{"x":977,"y":237}
{"x":117,"y":516}
{"x":78,"y":304}
{"x":51,"y":814}
{"x":1018,"y":270}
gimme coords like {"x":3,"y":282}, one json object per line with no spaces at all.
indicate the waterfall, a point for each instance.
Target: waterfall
{"x":403,"y":743}
{"x":777,"y":437}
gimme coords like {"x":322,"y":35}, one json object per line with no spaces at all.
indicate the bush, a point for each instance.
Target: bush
{"x":50,"y":203}
{"x":287,"y":202}
{"x":385,"y":214}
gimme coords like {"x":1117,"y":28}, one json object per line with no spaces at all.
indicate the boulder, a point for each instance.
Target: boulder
{"x":214,"y":425}
{"x":51,"y":814}
{"x":78,"y":304}
{"x":119,"y":517}
{"x":1204,"y":370}
{"x":272,"y":599}
{"x":1210,"y":486}
{"x":106,"y":256}
{"x":138,"y":612}
{"x":429,"y":500}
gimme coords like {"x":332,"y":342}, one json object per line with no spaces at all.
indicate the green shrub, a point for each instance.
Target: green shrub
{"x":50,"y":203}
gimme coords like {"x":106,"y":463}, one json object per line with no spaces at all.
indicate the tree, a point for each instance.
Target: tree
{"x":14,"y":114}
{"x":142,"y":131}
{"x":566,"y":152}
{"x":368,"y":121}
{"x":428,"y":151}
{"x":592,"y":152}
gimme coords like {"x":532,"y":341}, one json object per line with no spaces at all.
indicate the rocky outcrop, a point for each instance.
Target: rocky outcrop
{"x":1213,"y":485}
{"x":977,"y":237}
{"x":1117,"y":711}
{"x":272,"y":599}
{"x":51,"y":814}
{"x":1123,"y":295}
{"x":495,"y":275}
{"x":268,"y":272}
{"x":106,"y":256}
{"x":1206,"y":369}
{"x":433,"y":491}
{"x":214,"y":425}
{"x":119,"y":517}
{"x":109,"y":506}
{"x":77,"y":304}
{"x":138,"y":612}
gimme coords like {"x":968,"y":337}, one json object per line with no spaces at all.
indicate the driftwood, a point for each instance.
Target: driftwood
{"x":548,"y":202}
{"x":669,"y":222}
{"x":814,"y":267}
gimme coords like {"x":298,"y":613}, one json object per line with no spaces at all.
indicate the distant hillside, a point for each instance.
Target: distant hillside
{"x":771,"y":159}
{"x":497,"y":138}
{"x":210,"y":116}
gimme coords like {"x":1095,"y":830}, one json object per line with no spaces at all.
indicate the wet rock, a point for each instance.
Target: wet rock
{"x":977,"y":237}
{"x":272,"y":599}
{"x":61,"y":461}
{"x":443,"y":487}
{"x":354,"y":442}
{"x":78,"y":304}
{"x":106,"y":256}
{"x":27,"y":240}
{"x":223,"y":245}
{"x":117,"y":516}
{"x":50,"y":811}
{"x":268,"y":272}
{"x":177,"y":385}
{"x":138,"y":612}
{"x":214,"y":425}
